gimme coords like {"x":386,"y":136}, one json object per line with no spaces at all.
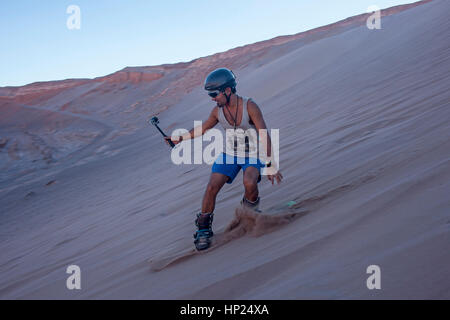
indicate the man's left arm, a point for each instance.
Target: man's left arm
{"x":256,"y":116}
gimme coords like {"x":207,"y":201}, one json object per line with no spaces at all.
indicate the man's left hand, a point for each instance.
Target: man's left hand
{"x":276,"y":176}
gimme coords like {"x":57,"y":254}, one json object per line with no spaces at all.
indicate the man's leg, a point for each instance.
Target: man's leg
{"x":205,"y":218}
{"x":251,"y":175}
{"x":216,"y":182}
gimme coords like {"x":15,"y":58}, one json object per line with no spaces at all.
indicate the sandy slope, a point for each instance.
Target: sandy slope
{"x":364,"y":120}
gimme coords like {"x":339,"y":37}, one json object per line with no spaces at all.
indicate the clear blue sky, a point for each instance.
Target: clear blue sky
{"x":36,"y":44}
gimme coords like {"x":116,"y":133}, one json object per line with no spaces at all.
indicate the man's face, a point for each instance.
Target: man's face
{"x":221,"y":99}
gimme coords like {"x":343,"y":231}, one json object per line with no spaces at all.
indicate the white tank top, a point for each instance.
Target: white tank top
{"x":242,"y":142}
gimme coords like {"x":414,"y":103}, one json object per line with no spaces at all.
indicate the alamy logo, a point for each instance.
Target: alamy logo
{"x":74,"y":280}
{"x":73,"y":21}
{"x":249,"y":144}
{"x":374,"y":21}
{"x":374,"y":281}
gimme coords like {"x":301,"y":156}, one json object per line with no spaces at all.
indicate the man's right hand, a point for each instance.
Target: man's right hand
{"x":175,"y":142}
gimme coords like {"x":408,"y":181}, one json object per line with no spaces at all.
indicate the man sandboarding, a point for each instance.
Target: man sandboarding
{"x":239,"y":114}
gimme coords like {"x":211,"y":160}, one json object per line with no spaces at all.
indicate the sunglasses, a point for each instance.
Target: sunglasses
{"x":214,"y":93}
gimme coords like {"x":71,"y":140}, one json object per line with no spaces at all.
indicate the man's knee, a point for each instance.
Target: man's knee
{"x":250,"y":183}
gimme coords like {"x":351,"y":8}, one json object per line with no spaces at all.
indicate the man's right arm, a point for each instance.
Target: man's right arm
{"x":199,"y":130}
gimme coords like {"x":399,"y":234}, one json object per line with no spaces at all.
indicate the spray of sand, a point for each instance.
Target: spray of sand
{"x":245,"y":222}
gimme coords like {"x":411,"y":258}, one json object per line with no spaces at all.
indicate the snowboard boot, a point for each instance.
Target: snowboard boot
{"x":250,"y":204}
{"x":204,"y":233}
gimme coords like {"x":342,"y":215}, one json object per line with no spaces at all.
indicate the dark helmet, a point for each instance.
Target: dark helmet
{"x":220,"y":79}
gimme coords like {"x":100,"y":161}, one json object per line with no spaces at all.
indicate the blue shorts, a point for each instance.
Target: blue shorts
{"x":231,"y":165}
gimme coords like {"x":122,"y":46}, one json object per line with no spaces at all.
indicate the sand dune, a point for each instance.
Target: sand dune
{"x":364,"y":119}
